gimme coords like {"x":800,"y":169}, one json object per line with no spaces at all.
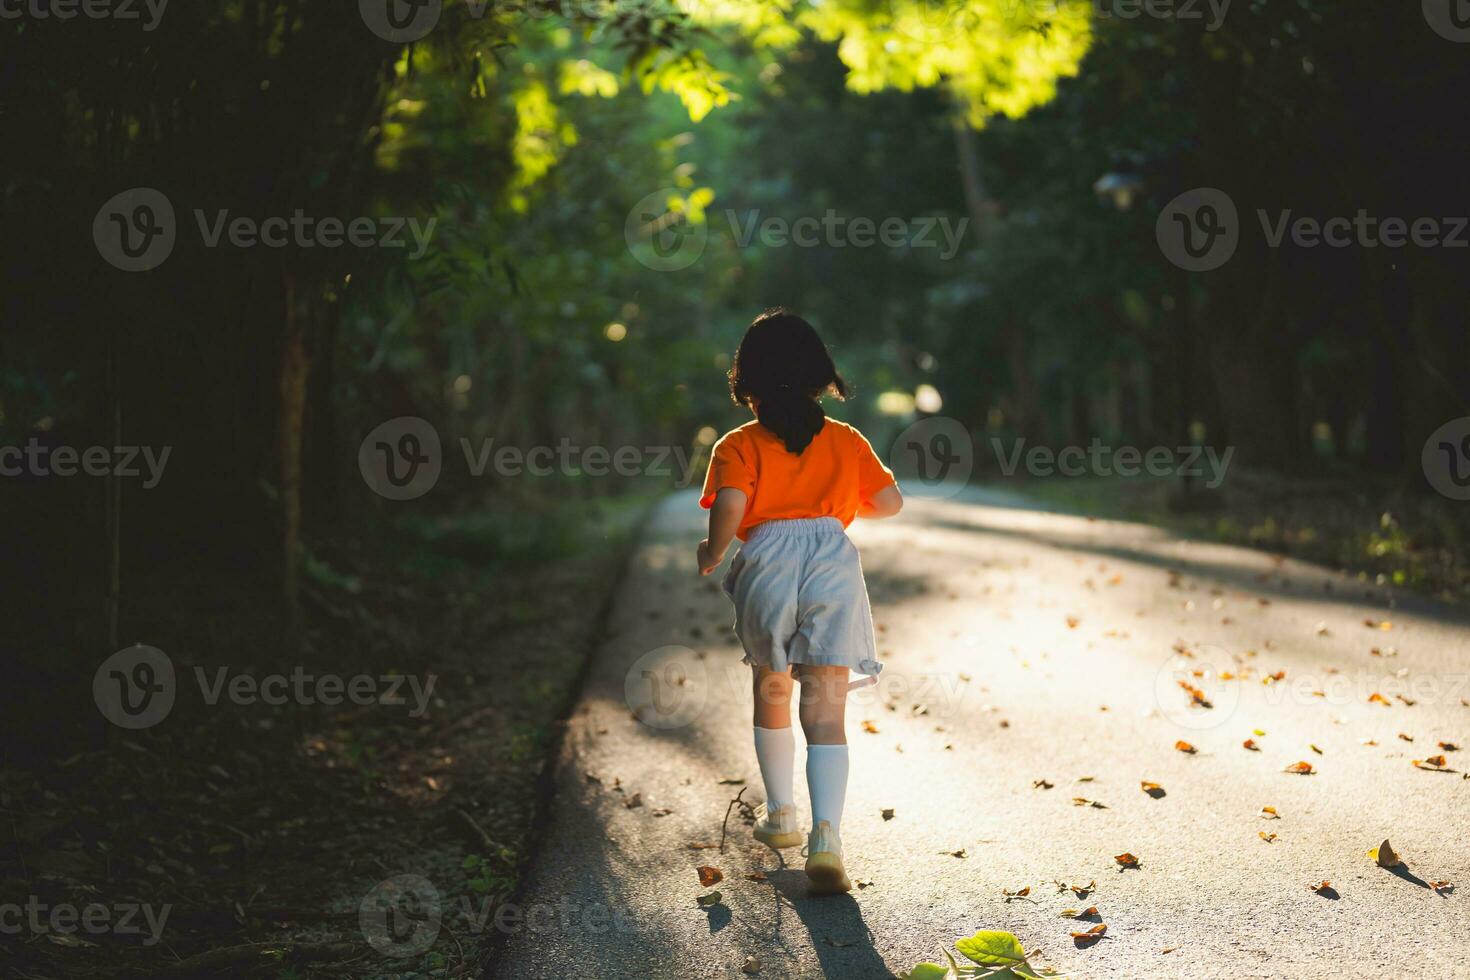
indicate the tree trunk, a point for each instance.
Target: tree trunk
{"x":294,"y":376}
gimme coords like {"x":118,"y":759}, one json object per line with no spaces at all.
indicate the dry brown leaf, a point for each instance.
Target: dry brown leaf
{"x":1449,"y":746}
{"x":1442,"y":886}
{"x":1169,"y":949}
{"x":1322,"y":886}
{"x":1270,"y":811}
{"x":1196,"y":696}
{"x":756,"y":876}
{"x":1184,"y":746}
{"x":1268,"y":838}
{"x":1152,"y":789}
{"x":1314,"y":748}
{"x":1082,"y":891}
{"x":1019,"y":893}
{"x":1406,"y":736}
{"x":752,"y":965}
{"x":1041,"y":784}
{"x":1300,"y":768}
{"x":1434,"y":762}
{"x":1250,"y":743}
{"x":709,"y":876}
{"x":869,"y":727}
{"x":1376,"y":698}
{"x":1091,"y":935}
{"x":1126,"y":860}
{"x":1072,"y":622}
{"x":636,"y":800}
{"x":887,"y":813}
{"x":1084,"y":801}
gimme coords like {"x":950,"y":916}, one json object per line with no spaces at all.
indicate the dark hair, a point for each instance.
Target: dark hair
{"x":782,"y":368}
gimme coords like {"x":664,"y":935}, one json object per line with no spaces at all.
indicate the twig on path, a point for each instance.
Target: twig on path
{"x":725,"y":825}
{"x":490,"y":845}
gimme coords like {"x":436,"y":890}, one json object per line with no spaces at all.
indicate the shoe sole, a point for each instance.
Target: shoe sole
{"x":778,"y":840}
{"x":826,"y":874}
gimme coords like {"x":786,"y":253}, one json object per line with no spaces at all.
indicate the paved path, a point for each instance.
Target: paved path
{"x":1025,"y":646}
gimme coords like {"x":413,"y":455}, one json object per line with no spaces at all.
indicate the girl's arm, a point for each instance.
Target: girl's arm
{"x":724,"y":520}
{"x":884,"y":503}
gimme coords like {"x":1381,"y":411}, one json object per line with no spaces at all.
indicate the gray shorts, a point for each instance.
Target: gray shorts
{"x":800,"y":598}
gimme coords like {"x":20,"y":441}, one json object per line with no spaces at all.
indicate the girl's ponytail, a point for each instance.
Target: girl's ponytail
{"x":781,"y":370}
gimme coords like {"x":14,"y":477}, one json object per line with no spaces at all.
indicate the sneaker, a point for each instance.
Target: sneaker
{"x":824,"y":861}
{"x":777,"y":828}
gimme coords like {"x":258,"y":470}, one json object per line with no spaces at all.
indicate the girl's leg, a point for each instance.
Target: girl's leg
{"x":823,"y":718}
{"x":775,"y":746}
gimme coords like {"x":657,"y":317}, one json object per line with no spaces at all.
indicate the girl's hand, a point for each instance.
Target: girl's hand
{"x":708,"y":560}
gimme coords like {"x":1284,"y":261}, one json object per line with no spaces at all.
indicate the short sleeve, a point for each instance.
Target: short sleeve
{"x":873,"y":476}
{"x":730,"y":465}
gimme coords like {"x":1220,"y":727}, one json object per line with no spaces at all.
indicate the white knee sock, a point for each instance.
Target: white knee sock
{"x":775,"y":750}
{"x":826,"y":780}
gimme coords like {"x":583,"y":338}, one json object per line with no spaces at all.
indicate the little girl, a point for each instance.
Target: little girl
{"x":787,"y":485}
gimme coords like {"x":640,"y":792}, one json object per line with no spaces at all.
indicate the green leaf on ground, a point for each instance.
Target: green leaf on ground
{"x":927,"y":971}
{"x":991,"y":947}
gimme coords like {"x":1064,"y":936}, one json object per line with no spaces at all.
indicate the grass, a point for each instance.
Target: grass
{"x":1365,"y":526}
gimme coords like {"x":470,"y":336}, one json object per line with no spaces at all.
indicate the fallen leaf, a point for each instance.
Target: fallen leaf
{"x":887,"y":813}
{"x":1168,"y":949}
{"x":709,"y":876}
{"x":1152,"y":789}
{"x":661,"y":811}
{"x":1322,"y":886}
{"x":752,"y":965}
{"x":1435,"y":763}
{"x":732,"y":781}
{"x":1091,"y":935}
{"x":1383,"y":855}
{"x":1376,"y":698}
{"x":1268,"y":838}
{"x":1084,"y":801}
{"x":1082,"y":891}
{"x":1258,"y":731}
{"x":1313,"y":747}
{"x":1250,"y":743}
{"x":1449,"y":746}
{"x":864,"y":883}
{"x":636,"y":800}
{"x":1441,"y":886}
{"x":1126,"y":860}
{"x":1196,"y":696}
{"x":956,"y":854}
{"x":1184,"y":746}
{"x":1270,"y":811}
{"x":1367,"y":741}
{"x":1041,"y":784}
{"x":1021,"y":893}
{"x":1300,"y":768}
{"x":869,"y":727}
{"x":1072,"y":622}
{"x":1406,"y":737}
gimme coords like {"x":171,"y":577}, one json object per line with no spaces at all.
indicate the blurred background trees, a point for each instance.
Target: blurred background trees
{"x":529,"y":132}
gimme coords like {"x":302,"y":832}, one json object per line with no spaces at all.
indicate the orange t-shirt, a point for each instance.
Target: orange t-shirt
{"x":836,"y":473}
